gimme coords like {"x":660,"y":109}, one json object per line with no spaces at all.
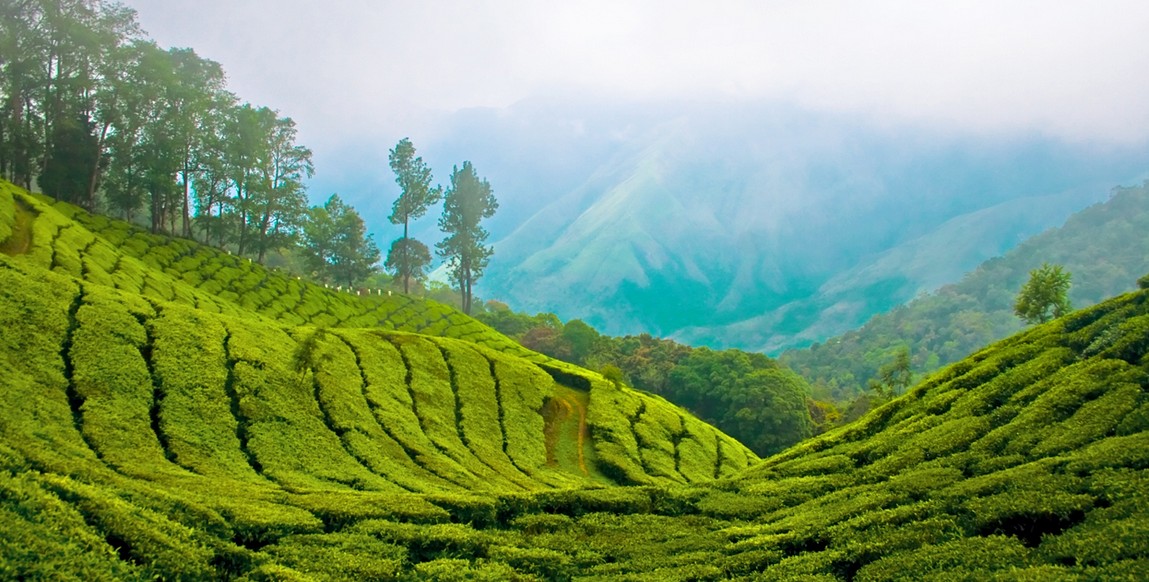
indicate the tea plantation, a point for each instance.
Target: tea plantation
{"x":170,"y":411}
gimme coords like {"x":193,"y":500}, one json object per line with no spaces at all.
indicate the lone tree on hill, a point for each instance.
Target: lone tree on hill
{"x":409,"y":258}
{"x":1045,"y":296}
{"x":469,"y":199}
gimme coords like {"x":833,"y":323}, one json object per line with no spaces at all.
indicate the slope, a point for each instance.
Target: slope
{"x":146,"y":438}
{"x":1105,"y":247}
{"x":710,"y":214}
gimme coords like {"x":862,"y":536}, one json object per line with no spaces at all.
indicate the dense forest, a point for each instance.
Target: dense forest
{"x":749,"y":396}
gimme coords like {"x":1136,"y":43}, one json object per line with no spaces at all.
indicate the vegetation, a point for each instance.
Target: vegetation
{"x":336,"y":244}
{"x":1045,"y":295}
{"x":748,"y":396}
{"x":1099,"y":245}
{"x":468,"y":201}
{"x":95,"y":114}
{"x":159,"y":423}
{"x":408,"y":258}
{"x":313,"y":350}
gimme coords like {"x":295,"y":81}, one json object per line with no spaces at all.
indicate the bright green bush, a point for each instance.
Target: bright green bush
{"x":340,"y":556}
{"x":7,"y":212}
{"x":47,"y":538}
{"x":964,"y":558}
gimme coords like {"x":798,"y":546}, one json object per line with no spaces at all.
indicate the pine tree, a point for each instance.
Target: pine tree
{"x":469,"y":199}
{"x":406,"y":257}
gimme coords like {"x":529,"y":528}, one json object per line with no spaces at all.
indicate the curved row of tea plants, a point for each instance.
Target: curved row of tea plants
{"x":110,"y":252}
{"x":145,"y":435}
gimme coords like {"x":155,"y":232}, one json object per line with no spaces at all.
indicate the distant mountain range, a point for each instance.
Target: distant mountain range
{"x":1105,"y":248}
{"x":747,"y":225}
{"x":755,"y":226}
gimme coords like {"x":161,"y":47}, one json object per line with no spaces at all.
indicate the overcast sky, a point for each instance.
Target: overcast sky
{"x":350,"y":68}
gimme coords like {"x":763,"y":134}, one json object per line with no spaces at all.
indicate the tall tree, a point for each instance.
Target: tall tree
{"x":408,"y":259}
{"x":282,"y":202}
{"x":196,"y":98}
{"x":894,"y":377}
{"x":1045,"y":295}
{"x":336,"y":246}
{"x":468,"y":200}
{"x":210,"y":181}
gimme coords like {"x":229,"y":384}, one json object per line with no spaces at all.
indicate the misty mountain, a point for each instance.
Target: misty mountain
{"x":757,"y":226}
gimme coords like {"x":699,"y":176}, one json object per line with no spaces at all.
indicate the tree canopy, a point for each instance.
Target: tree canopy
{"x":1045,"y":295}
{"x":337,"y":247}
{"x":468,"y":201}
{"x":407,"y":258}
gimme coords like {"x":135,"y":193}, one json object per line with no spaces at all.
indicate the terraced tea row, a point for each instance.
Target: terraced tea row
{"x":159,"y":389}
{"x":1026,"y":460}
{"x":151,"y":429}
{"x":109,"y":252}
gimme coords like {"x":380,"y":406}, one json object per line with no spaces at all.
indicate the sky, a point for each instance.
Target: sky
{"x":346,"y":70}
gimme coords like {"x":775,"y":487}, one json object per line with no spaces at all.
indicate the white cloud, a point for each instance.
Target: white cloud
{"x":1070,"y":69}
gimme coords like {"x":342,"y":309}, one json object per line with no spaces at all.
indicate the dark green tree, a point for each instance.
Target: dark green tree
{"x":468,"y":200}
{"x":71,"y":154}
{"x":336,"y":246}
{"x":582,"y":339}
{"x":416,"y":194}
{"x":894,"y":377}
{"x":408,"y":260}
{"x":1045,"y":296}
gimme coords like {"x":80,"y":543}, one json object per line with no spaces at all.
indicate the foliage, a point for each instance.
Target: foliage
{"x":172,"y":412}
{"x":336,"y":244}
{"x":1045,"y":295}
{"x":1098,"y":244}
{"x":748,"y":396}
{"x":893,"y":377}
{"x":409,"y":258}
{"x":468,"y":200}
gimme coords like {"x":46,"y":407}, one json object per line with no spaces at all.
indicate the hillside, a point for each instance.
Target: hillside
{"x":144,"y":436}
{"x":757,"y":226}
{"x":1105,"y":247}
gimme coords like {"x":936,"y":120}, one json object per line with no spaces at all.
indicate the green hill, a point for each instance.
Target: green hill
{"x":1104,"y":246}
{"x":154,"y":428}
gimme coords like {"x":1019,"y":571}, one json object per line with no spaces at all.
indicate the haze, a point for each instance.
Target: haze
{"x":346,"y":69}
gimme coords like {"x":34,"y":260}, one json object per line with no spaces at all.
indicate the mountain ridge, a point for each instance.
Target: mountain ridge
{"x":755,"y":202}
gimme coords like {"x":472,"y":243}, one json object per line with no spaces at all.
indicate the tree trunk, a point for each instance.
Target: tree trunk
{"x":187,"y":193}
{"x":405,"y":271}
{"x":94,"y":178}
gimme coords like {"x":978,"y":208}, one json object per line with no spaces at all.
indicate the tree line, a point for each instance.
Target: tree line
{"x":94,"y":113}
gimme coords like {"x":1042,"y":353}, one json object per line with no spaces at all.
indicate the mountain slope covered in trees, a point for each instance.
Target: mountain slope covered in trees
{"x":764,"y":227}
{"x":1105,"y":247}
{"x":153,"y":426}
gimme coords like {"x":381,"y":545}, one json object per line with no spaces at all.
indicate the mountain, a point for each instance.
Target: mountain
{"x":1105,"y":247}
{"x":755,"y":226}
{"x":173,"y":412}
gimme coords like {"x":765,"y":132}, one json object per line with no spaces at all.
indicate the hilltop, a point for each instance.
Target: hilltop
{"x":155,"y":426}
